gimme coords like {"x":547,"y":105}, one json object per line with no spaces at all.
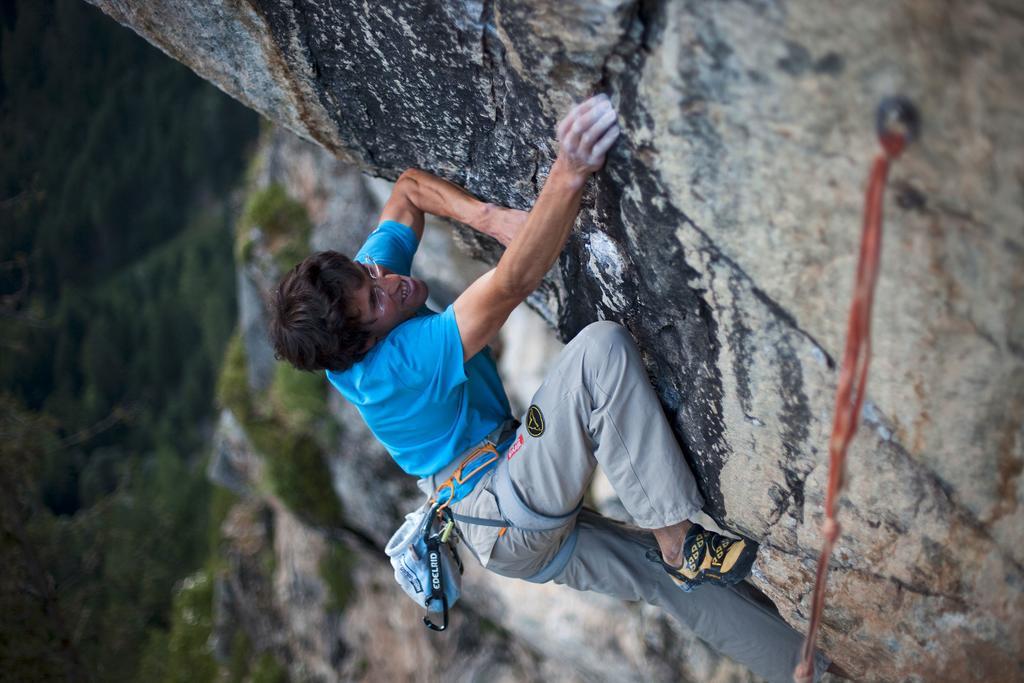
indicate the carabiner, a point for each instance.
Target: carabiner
{"x":444,"y":619}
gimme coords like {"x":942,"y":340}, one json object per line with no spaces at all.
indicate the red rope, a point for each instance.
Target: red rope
{"x":850,"y":393}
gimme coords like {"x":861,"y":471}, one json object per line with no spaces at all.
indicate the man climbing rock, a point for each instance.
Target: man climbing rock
{"x":428,"y":389}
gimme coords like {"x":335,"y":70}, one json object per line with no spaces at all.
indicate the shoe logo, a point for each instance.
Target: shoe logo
{"x":534,"y":421}
{"x":696,"y":552}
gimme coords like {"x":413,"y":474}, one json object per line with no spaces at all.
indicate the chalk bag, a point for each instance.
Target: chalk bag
{"x":426,"y":564}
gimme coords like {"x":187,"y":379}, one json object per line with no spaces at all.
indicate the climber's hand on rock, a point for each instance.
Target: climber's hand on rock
{"x":586,"y":134}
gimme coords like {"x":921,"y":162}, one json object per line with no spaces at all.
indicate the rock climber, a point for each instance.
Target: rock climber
{"x":426,"y":385}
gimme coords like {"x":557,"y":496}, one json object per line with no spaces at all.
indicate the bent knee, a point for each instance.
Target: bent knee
{"x":605,"y":333}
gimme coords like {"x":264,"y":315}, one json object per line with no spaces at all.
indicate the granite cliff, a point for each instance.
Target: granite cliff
{"x":722,"y":233}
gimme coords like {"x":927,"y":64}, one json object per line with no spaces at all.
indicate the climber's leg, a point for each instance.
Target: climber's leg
{"x":670,"y":542}
{"x":609,"y":559}
{"x":596,"y":405}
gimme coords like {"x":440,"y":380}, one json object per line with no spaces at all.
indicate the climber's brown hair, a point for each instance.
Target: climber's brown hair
{"x":313,"y":323}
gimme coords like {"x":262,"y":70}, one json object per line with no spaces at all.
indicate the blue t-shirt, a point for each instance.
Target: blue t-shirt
{"x":413,"y":390}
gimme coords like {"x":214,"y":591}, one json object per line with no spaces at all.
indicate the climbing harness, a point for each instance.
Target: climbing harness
{"x":423,"y":553}
{"x":479,"y":462}
{"x":897,"y":124}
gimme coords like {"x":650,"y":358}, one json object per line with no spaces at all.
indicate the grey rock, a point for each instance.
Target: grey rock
{"x":252,"y":325}
{"x":722,"y":233}
{"x":233,"y":463}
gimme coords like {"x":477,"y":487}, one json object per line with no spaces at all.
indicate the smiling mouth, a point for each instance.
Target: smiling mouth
{"x":406,"y":290}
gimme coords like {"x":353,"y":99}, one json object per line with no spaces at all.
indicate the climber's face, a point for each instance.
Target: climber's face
{"x":386,"y":300}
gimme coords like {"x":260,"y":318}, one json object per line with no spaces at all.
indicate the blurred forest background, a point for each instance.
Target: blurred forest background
{"x":119,"y":185}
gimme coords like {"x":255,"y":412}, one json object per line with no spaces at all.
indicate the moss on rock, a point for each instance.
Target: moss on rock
{"x":189,"y":658}
{"x":279,"y":221}
{"x":283,"y":425}
{"x":268,"y":670}
{"x":336,"y":567}
{"x":299,"y":398}
{"x":298,"y":473}
{"x":233,"y":381}
{"x":276,"y":213}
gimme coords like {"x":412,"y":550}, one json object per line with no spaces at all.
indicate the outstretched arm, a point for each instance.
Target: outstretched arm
{"x":584,"y":136}
{"x":417,"y":193}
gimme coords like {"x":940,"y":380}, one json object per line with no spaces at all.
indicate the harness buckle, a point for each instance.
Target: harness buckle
{"x":459,"y":476}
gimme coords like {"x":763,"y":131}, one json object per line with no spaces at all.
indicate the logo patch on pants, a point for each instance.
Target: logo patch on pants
{"x":534,"y":421}
{"x":515,"y":447}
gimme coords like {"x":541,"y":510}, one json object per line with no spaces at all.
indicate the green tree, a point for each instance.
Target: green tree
{"x":118,"y":299}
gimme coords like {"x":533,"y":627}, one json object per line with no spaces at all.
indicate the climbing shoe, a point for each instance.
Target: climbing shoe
{"x":709,"y":558}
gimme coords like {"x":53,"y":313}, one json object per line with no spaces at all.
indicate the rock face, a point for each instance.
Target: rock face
{"x":723,"y":234}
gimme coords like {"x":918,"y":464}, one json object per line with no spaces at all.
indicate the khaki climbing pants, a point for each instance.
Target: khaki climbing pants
{"x":597,"y":406}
